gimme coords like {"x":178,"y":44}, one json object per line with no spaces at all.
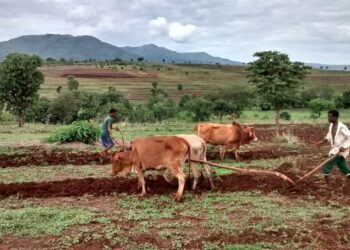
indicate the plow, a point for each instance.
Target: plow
{"x":285,"y":178}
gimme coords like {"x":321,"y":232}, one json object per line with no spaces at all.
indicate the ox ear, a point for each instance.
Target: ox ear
{"x":244,"y":126}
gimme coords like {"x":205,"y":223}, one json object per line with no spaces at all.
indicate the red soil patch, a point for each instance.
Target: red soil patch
{"x":227,"y":183}
{"x":40,"y":157}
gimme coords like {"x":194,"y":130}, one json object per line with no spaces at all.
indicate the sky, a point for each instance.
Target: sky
{"x":314,"y":31}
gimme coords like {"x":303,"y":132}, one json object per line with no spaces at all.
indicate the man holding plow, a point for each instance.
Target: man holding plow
{"x":106,"y":132}
{"x":339,"y":138}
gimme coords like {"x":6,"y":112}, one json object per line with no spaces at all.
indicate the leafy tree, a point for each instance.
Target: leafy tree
{"x":164,"y":109}
{"x":90,"y":106}
{"x":142,"y":113}
{"x":183,"y":100}
{"x":72,"y":83}
{"x":180,"y":87}
{"x":38,"y":111}
{"x":276,"y":78}
{"x":317,"y":105}
{"x":343,"y":101}
{"x":113,"y":96}
{"x":64,"y":108}
{"x":222,"y":107}
{"x":20,"y":81}
{"x":200,"y":107}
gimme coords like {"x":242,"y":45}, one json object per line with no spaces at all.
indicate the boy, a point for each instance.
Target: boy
{"x":339,"y":138}
{"x":106,"y":132}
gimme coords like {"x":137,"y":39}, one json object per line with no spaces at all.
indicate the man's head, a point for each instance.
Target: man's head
{"x":333,"y":116}
{"x":112,"y":113}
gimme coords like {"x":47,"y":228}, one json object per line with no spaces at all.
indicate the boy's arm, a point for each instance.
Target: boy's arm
{"x":346,"y":143}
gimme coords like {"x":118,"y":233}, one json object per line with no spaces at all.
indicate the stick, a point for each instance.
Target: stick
{"x":315,"y":169}
{"x":244,"y":170}
{"x":122,"y":139}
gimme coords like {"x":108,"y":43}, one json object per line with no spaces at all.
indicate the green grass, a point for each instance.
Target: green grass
{"x":33,"y":221}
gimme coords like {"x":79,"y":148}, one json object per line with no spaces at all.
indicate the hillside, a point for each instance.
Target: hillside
{"x":135,"y":80}
{"x":88,"y":47}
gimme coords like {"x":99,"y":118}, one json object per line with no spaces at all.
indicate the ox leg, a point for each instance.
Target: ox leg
{"x":207,"y":169}
{"x":196,"y":175}
{"x":179,"y":174}
{"x":222,"y":152}
{"x":236,"y":154}
{"x":141,"y":180}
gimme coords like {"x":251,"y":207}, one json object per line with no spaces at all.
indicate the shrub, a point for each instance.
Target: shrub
{"x":319,"y":104}
{"x":285,"y":115}
{"x":38,"y":111}
{"x":80,"y":131}
{"x":64,"y":108}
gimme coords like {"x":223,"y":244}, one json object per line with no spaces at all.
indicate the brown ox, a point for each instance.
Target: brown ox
{"x":227,"y":135}
{"x":155,"y":152}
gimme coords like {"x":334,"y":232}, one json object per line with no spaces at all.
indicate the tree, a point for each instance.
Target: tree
{"x":20,"y":81}
{"x":180,"y":87}
{"x":222,"y":107}
{"x":38,"y":111}
{"x":64,"y":108}
{"x":276,"y":79}
{"x":317,"y":105}
{"x":58,"y":89}
{"x":72,"y":83}
{"x":200,"y":107}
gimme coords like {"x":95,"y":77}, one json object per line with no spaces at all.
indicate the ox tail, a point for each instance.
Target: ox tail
{"x":189,"y":160}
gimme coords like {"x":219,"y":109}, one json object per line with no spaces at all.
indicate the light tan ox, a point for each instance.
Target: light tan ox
{"x":226,"y":135}
{"x":121,"y":164}
{"x":155,"y":152}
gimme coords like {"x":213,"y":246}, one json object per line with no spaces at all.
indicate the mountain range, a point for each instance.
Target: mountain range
{"x":88,"y":47}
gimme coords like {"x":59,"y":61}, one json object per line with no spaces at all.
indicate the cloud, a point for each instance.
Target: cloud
{"x":159,"y":26}
{"x":83,"y":15}
{"x":174,"y":30}
{"x":179,"y":32}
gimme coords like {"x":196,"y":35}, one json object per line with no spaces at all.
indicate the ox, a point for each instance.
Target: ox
{"x":121,"y":164}
{"x":226,"y":135}
{"x":155,"y":152}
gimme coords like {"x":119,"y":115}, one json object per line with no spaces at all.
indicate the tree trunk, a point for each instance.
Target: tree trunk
{"x":20,"y":120}
{"x":277,"y":119}
{"x":220,"y":115}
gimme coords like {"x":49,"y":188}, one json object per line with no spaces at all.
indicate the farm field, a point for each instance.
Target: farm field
{"x":63,"y":197}
{"x":135,"y":80}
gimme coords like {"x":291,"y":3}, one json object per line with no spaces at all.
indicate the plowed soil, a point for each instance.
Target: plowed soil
{"x":227,"y":183}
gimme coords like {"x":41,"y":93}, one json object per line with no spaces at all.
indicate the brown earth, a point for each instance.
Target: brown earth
{"x":156,"y":185}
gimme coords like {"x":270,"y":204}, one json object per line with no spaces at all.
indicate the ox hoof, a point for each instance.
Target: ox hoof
{"x":178,"y":199}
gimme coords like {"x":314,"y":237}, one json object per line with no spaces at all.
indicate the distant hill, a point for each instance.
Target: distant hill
{"x":88,"y":47}
{"x":154,"y":53}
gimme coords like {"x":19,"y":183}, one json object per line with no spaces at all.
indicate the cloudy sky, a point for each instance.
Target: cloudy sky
{"x":309,"y":31}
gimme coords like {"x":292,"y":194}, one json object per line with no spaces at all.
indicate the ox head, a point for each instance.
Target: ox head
{"x":248,"y":134}
{"x":121,"y":164}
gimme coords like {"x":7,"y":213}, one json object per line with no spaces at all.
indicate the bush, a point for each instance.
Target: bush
{"x":285,"y":116}
{"x":38,"y":111}
{"x":319,"y":104}
{"x":64,"y":108}
{"x":80,"y":131}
